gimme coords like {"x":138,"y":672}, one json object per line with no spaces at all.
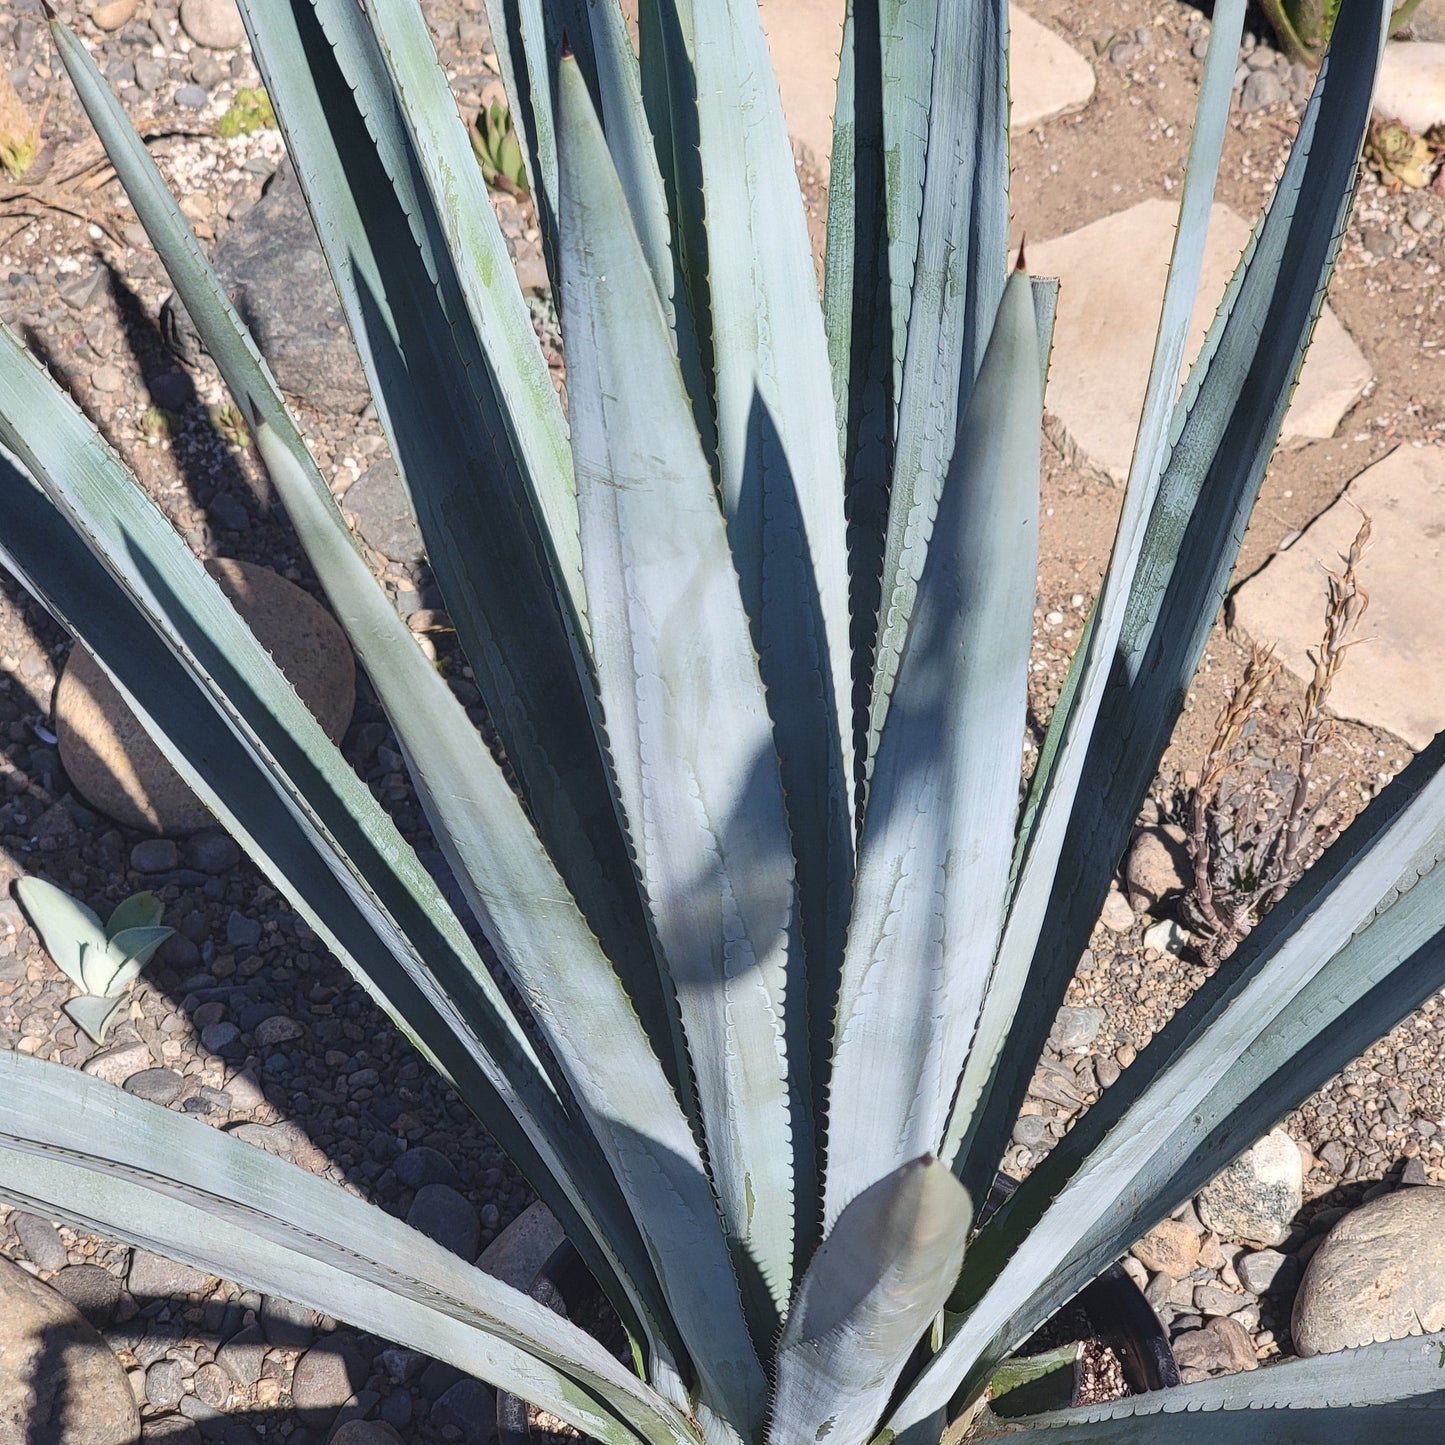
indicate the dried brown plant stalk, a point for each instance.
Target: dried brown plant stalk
{"x":1280,"y":852}
{"x":1223,"y":754}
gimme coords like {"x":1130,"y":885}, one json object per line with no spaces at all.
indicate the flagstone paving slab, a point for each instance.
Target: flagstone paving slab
{"x":1112,"y":275}
{"x":1396,"y":678}
{"x":1048,"y":77}
{"x":1412,"y":83}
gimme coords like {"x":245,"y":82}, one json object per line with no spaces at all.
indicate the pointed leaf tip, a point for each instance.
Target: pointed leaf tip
{"x":46,"y":10}
{"x":1021,"y":264}
{"x":566,"y":45}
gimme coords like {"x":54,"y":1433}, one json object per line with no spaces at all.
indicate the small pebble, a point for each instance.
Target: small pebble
{"x":41,"y":1241}
{"x":114,"y":13}
{"x":165,"y":1384}
{"x":1262,"y":89}
{"x":154,"y":855}
{"x":192,"y":97}
{"x":212,"y":851}
{"x":107,"y":378}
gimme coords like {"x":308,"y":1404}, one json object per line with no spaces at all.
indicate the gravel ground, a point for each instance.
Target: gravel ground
{"x":244,"y":1021}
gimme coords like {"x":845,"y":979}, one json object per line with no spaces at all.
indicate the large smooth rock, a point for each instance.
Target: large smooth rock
{"x":1412,"y":83}
{"x":1379,"y":1275}
{"x":216,"y":24}
{"x":59,"y":1382}
{"x":108,"y":755}
{"x":272,"y":264}
{"x":1257,"y":1196}
{"x":1396,"y":681}
{"x":1047,"y":76}
{"x":1112,"y":274}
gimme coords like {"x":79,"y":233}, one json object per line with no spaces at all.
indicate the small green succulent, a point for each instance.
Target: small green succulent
{"x":498,"y":150}
{"x":99,"y":959}
{"x":1398,"y":156}
{"x":251,"y":110}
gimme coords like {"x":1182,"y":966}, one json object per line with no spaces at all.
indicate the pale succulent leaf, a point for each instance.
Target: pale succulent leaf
{"x":1394,"y":1390}
{"x":67,"y":928}
{"x":129,"y":1169}
{"x":859,"y":318}
{"x":92,"y":1015}
{"x":1221,"y":435}
{"x":868,"y":1297}
{"x":376,"y":178}
{"x":140,"y":910}
{"x":769,"y":343}
{"x":937,"y":835}
{"x":685,"y":711}
{"x":128,"y":952}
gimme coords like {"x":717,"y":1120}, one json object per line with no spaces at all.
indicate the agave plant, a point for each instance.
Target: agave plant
{"x":1303,"y":27}
{"x":752,"y":622}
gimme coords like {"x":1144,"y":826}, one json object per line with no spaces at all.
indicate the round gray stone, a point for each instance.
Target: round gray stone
{"x":1158,"y":867}
{"x":165,"y":1384}
{"x":154,"y":855}
{"x":420,"y":1165}
{"x":365,"y":1432}
{"x":1379,"y":1275}
{"x":41,"y":1241}
{"x":1076,"y":1027}
{"x":94,"y":1291}
{"x":326,"y":1377}
{"x":156,"y":1277}
{"x":286,"y":1325}
{"x":1255,"y":1199}
{"x":442,"y":1214}
{"x":56,"y":1374}
{"x":216,"y":24}
{"x":212,"y":851}
{"x":1262,"y":89}
{"x":160,"y":1086}
{"x":470,"y":1407}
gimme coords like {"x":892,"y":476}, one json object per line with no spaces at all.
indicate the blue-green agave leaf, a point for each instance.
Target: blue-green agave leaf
{"x":140,"y":910}
{"x":375,"y":163}
{"x":438,"y":739}
{"x":934,"y":861}
{"x":685,"y":711}
{"x":1394,"y":1390}
{"x":865,"y":1301}
{"x":945,"y":88}
{"x":780,"y":474}
{"x":85,"y":1150}
{"x":93,"y":1015}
